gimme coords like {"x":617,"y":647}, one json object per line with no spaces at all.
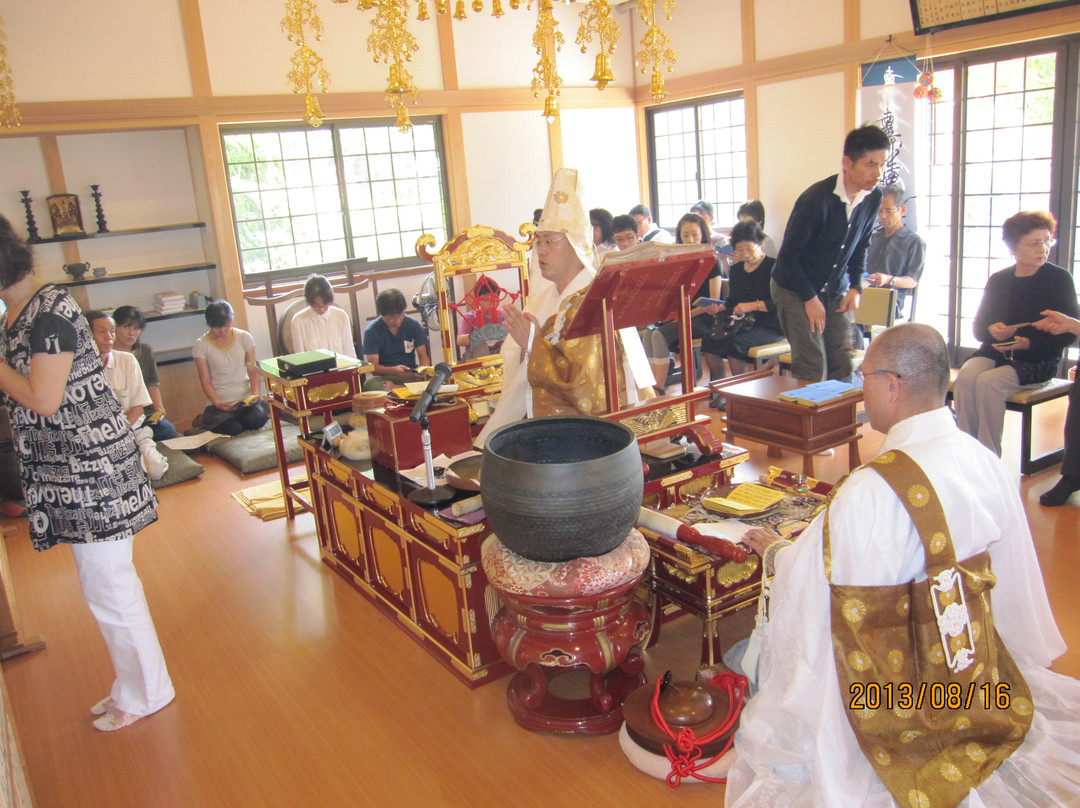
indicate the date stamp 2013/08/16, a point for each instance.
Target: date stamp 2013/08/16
{"x":938,"y":695}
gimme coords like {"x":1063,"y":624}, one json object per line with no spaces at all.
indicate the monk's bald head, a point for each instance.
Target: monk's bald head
{"x":918,"y":354}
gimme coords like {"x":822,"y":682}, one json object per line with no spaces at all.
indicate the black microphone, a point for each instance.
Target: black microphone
{"x":442,"y":372}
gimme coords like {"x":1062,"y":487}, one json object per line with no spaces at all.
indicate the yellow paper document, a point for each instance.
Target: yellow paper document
{"x":746,"y":498}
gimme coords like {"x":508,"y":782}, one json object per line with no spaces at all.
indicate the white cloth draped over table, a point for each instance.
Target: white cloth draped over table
{"x":795,"y":746}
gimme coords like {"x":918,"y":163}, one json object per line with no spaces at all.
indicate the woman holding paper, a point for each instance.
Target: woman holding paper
{"x":750,"y":275}
{"x":1014,"y":355}
{"x":225,"y":359}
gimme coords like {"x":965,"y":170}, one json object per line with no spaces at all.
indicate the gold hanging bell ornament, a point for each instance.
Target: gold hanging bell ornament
{"x":496,"y":9}
{"x":440,"y":6}
{"x":478,"y":6}
{"x":403,"y":123}
{"x":551,"y":109}
{"x":396,"y":86}
{"x":422,"y":12}
{"x":459,"y":10}
{"x":658,"y":91}
{"x":603,"y":72}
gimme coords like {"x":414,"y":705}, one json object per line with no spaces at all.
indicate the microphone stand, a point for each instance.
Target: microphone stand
{"x":433,"y":496}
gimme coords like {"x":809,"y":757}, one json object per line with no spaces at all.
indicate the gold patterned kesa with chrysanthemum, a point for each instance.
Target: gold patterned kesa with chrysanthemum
{"x":302,"y":21}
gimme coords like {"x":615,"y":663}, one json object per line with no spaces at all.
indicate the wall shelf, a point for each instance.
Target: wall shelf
{"x":131,"y":231}
{"x":153,"y":316}
{"x":142,"y":273}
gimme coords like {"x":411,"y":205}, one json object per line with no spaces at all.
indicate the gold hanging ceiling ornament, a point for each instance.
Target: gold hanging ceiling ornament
{"x":301,"y":20}
{"x":9,"y":112}
{"x":547,"y":39}
{"x":391,"y":42}
{"x":598,"y":17}
{"x":655,"y":46}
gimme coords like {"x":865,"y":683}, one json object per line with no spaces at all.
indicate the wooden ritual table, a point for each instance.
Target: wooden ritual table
{"x":683,"y":578}
{"x":317,"y":394}
{"x":756,"y":412}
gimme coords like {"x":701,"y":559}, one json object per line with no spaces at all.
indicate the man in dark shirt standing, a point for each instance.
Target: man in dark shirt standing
{"x":818,"y":274}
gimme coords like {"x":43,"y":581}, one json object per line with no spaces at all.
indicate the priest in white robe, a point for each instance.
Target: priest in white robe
{"x":795,"y":746}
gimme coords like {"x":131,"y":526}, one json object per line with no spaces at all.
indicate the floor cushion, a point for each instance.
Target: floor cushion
{"x":253,"y":451}
{"x":181,"y":467}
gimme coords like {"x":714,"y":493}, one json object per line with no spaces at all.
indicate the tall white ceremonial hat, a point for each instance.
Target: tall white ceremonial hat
{"x":566,"y":211}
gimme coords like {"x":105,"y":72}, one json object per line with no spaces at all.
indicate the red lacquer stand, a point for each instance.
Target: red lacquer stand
{"x":545,"y":638}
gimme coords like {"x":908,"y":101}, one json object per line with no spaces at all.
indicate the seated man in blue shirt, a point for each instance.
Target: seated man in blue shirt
{"x":395,"y":344}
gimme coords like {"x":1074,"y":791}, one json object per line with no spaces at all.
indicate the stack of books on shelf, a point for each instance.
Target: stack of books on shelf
{"x":168,"y":302}
{"x":814,"y":394}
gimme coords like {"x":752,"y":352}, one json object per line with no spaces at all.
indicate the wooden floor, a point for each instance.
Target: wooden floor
{"x":292,"y":690}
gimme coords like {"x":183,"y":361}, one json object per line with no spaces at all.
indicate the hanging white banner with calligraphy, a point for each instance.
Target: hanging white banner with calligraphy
{"x":886,"y":99}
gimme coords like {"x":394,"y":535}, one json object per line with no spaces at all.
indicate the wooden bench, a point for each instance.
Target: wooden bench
{"x":1024,"y":402}
{"x":773,"y":350}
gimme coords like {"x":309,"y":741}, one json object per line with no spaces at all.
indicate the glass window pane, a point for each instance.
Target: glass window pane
{"x":286,"y":188}
{"x":294,"y":145}
{"x":1040,"y":71}
{"x":271,"y":175}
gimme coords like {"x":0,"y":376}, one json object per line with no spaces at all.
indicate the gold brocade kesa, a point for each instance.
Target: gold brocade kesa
{"x":933,"y":696}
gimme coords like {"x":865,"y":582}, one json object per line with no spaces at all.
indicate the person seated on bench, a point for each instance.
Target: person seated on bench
{"x":662,"y":341}
{"x":395,"y":344}
{"x":749,"y":297}
{"x":225,"y":359}
{"x":322,"y":325}
{"x":129,"y":327}
{"x":125,"y":378}
{"x":1014,"y":355}
{"x":1054,"y":322}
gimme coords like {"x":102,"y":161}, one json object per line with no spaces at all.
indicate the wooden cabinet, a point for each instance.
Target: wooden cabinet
{"x":419,"y":570}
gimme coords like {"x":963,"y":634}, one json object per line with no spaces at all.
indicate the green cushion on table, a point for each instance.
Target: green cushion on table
{"x":251,"y":452}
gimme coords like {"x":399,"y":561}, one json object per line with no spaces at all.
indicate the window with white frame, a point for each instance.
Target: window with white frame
{"x":305,"y":197}
{"x":697,"y":150}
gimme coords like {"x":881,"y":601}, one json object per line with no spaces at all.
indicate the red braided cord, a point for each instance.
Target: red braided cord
{"x":685,"y":763}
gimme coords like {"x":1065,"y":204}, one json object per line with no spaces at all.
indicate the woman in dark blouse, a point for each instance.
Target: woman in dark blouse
{"x":1014,"y":354}
{"x":749,"y":281}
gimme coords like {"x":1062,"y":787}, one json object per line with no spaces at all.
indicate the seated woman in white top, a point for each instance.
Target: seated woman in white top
{"x":322,"y":325}
{"x":225,"y":359}
{"x":125,"y":378}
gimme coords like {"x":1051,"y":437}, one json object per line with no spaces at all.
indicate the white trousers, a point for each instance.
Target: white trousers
{"x":979,"y":395}
{"x":115,"y":596}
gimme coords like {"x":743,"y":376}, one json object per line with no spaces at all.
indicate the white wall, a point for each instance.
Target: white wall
{"x":705,"y":35}
{"x":785,"y":27}
{"x":69,"y":50}
{"x":601,"y":145}
{"x":801,"y":137}
{"x":508,"y":167}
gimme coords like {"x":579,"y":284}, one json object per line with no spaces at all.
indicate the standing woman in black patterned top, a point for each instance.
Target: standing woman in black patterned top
{"x":85,"y":484}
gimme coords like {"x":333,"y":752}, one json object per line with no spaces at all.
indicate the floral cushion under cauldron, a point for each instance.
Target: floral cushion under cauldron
{"x":509,"y":572}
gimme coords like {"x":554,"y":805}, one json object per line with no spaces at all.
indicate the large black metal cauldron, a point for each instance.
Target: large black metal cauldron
{"x":561,"y":487}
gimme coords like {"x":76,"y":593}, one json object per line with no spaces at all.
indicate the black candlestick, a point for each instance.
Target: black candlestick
{"x":96,"y":194}
{"x":31,"y":225}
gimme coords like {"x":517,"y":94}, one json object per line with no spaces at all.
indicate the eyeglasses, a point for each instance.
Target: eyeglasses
{"x":547,"y":242}
{"x":627,"y":239}
{"x":889,"y":211}
{"x":1048,"y":244}
{"x":861,"y":374}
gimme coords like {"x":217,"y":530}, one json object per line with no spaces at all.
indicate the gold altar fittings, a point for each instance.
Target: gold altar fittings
{"x":647,"y":284}
{"x":498,"y":264}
